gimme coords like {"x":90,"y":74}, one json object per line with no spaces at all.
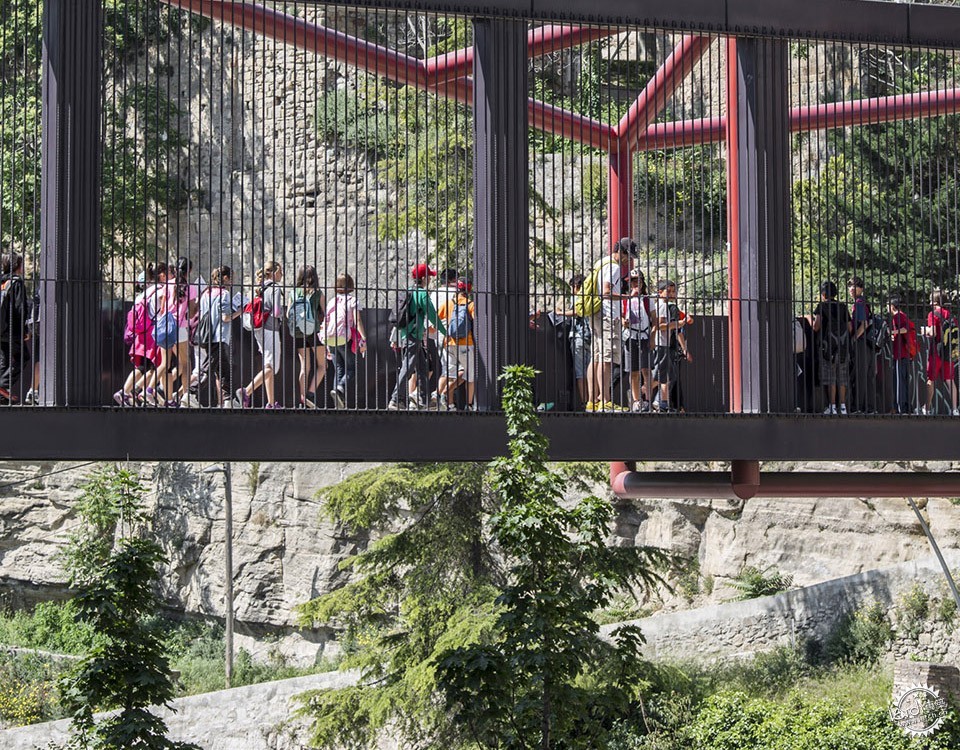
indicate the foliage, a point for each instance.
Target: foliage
{"x":28,"y":690}
{"x":947,"y":608}
{"x":861,"y":637}
{"x":912,"y":610}
{"x":126,"y":668}
{"x":416,"y":592}
{"x":51,"y":627}
{"x":422,"y":145}
{"x":543,"y":677}
{"x":138,"y":183}
{"x":752,"y":582}
{"x":879,"y":205}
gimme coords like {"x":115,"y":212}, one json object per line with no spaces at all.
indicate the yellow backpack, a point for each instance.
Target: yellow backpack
{"x":588,"y":301}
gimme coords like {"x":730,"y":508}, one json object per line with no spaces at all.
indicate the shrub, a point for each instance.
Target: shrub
{"x":861,"y":637}
{"x":912,"y":611}
{"x":752,"y":582}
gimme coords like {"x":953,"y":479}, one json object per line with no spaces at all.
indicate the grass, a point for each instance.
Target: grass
{"x":195,"y":649}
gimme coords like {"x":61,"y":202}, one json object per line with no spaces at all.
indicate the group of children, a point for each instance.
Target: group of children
{"x":854,"y":346}
{"x":170,"y":316}
{"x":628,"y":328}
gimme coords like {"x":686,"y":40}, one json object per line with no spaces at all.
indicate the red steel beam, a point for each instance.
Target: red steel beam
{"x":660,"y":88}
{"x":735,"y":345}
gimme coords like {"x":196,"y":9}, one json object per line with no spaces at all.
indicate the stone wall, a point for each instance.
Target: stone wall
{"x":258,"y":717}
{"x":738,"y":629}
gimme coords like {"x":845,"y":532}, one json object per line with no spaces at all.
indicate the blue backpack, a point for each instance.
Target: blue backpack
{"x":461,"y":324}
{"x":301,"y":318}
{"x":166,"y":331}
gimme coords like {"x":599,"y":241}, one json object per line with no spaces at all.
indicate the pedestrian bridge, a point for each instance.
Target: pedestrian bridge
{"x":750,"y":154}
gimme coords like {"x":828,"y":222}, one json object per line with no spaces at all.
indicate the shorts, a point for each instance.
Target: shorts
{"x":664,"y":365}
{"x":939,"y":369}
{"x":141,"y":363}
{"x":458,"y":361}
{"x":269,"y":344}
{"x":835,"y":373}
{"x":307,"y":342}
{"x":35,"y":344}
{"x":606,"y":341}
{"x":639,"y":355}
{"x":183,"y":335}
{"x":580,"y":350}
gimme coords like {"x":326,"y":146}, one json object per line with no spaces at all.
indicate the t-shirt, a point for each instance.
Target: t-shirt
{"x":273,"y":301}
{"x":833,"y":318}
{"x":446,"y":312}
{"x":860,"y":314}
{"x":217,"y":302}
{"x":935,"y":320}
{"x":340,"y":318}
{"x":667,"y":312}
{"x":439,"y":297}
{"x":609,"y":273}
{"x":899,"y":349}
{"x":635,"y":311}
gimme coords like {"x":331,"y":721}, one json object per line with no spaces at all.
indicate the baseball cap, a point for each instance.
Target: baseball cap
{"x":627,"y":245}
{"x":422,"y":270}
{"x":664,"y":284}
{"x":464,"y":286}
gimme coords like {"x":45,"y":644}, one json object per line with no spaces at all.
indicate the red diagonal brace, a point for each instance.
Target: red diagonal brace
{"x":660,"y":88}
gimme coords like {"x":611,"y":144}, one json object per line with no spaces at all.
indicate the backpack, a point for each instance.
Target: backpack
{"x":5,"y":302}
{"x":301,"y":319}
{"x":166,"y":331}
{"x":588,"y":302}
{"x":948,"y":347}
{"x":204,"y":335}
{"x":255,"y":313}
{"x":403,"y":314}
{"x":835,"y":347}
{"x":460,"y":324}
{"x":913,"y":347}
{"x":878,"y":332}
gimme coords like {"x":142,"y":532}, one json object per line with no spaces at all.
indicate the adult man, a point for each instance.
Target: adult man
{"x":605,"y":325}
{"x":864,"y":357}
{"x":411,"y":343}
{"x":13,"y":317}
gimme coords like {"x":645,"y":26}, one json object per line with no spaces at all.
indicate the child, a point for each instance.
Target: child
{"x":138,"y":335}
{"x":304,"y":315}
{"x":903,"y":342}
{"x":458,"y":349}
{"x":580,"y":335}
{"x":216,"y":304}
{"x":344,"y":334}
{"x":636,"y":327}
{"x":671,"y":344}
{"x":940,"y":366}
{"x":267,"y":337}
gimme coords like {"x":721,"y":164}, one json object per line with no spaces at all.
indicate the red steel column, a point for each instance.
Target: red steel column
{"x":620,"y":195}
{"x":733,"y":230}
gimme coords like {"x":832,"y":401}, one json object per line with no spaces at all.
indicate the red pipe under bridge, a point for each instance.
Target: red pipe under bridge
{"x":448,"y":75}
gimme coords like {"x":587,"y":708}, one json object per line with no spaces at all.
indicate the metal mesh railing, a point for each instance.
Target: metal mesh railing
{"x":319,"y":163}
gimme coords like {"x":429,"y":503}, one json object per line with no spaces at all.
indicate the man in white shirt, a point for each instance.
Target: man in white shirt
{"x":605,"y":325}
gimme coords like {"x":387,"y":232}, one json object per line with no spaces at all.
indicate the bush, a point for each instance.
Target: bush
{"x":752,"y":582}
{"x":51,"y":626}
{"x":912,"y":611}
{"x":861,"y":637}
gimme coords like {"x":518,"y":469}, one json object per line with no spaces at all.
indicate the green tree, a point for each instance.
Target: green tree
{"x":126,"y":670}
{"x":544,"y":677}
{"x":416,"y":592}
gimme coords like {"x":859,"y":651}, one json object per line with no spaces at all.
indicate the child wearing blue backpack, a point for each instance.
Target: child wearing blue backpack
{"x":458,"y":349}
{"x":305,"y":319}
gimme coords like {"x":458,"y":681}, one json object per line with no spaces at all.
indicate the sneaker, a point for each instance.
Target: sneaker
{"x":172,"y":404}
{"x":843,"y":409}
{"x":645,"y":407}
{"x":956,"y":412}
{"x":244,"y":400}
{"x":189,"y":401}
{"x":337,"y":397}
{"x":610,"y":406}
{"x":227,"y":403}
{"x":832,"y":409}
{"x":663,"y":407}
{"x":33,"y":397}
{"x":274,"y":405}
{"x":310,"y":400}
{"x":590,"y":406}
{"x":636,"y":406}
{"x":392,"y":406}
{"x":120,"y":397}
{"x":433,"y":402}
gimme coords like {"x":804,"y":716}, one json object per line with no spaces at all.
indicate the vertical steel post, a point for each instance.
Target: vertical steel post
{"x":228,"y":564}
{"x":620,"y":195}
{"x":758,"y":195}
{"x":70,"y":203}
{"x":500,"y":204}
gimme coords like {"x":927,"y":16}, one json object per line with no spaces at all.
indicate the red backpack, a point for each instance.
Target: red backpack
{"x":912,"y":346}
{"x":255,"y":311}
